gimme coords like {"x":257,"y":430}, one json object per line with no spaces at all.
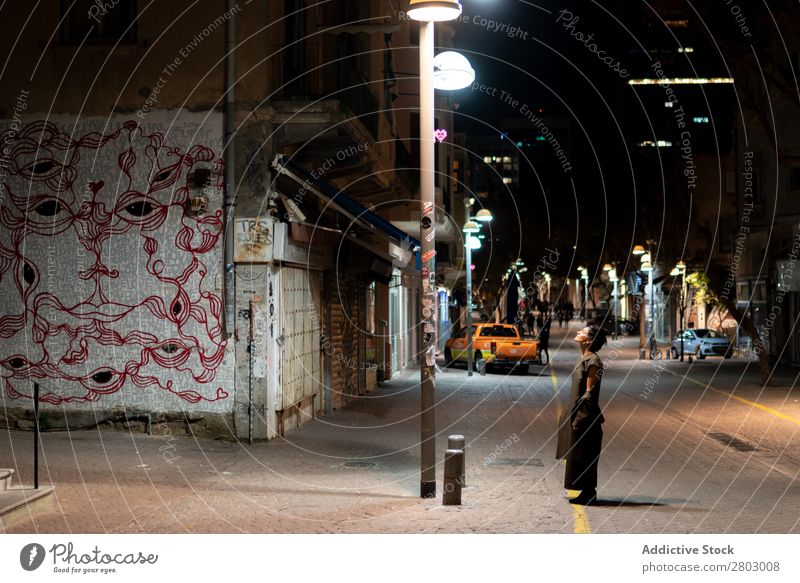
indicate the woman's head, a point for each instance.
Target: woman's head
{"x":593,"y":336}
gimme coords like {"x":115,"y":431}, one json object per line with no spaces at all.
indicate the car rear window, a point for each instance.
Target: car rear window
{"x":702,"y":333}
{"x":501,"y":331}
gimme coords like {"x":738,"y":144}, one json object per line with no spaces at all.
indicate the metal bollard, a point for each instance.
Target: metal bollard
{"x":458,"y":442}
{"x":482,"y":366}
{"x":453,"y":461}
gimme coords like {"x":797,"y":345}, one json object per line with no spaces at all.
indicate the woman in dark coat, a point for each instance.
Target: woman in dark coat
{"x":580,"y":433}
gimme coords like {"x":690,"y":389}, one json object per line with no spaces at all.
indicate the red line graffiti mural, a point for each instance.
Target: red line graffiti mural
{"x":104,"y":277}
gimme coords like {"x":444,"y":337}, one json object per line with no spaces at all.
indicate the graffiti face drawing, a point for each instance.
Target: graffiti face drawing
{"x":103,"y":275}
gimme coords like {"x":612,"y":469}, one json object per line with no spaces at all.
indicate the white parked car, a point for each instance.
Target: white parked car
{"x":701,"y":342}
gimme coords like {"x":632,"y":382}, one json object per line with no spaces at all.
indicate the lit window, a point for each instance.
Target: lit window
{"x":667,"y":104}
{"x":657,"y":144}
{"x":700,"y":119}
{"x":487,"y":159}
{"x":506,"y":180}
{"x":677,"y":23}
{"x":506,"y":159}
{"x":683,"y":81}
{"x":685,"y":50}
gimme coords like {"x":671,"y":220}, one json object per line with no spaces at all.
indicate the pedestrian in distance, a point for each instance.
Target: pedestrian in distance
{"x":580,"y":433}
{"x":544,"y":341}
{"x":560,"y":317}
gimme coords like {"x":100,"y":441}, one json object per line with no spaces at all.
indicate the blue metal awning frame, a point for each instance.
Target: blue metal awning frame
{"x":344,"y":204}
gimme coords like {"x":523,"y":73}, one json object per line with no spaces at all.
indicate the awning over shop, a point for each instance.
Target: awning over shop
{"x":337,"y":199}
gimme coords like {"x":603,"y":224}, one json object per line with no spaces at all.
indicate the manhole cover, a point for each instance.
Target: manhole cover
{"x":507,"y":461}
{"x":731,"y":441}
{"x":359,"y":465}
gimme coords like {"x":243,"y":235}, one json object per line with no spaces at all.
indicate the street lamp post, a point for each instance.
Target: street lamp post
{"x":648,"y":266}
{"x":612,"y":277}
{"x":472,"y":227}
{"x":585,"y":277}
{"x":681,"y":267}
{"x":427,"y":12}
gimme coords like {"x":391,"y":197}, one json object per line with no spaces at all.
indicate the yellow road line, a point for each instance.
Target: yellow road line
{"x":770,"y":410}
{"x":580,"y":519}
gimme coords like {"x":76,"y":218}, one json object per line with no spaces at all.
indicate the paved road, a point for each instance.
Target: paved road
{"x":698,"y":447}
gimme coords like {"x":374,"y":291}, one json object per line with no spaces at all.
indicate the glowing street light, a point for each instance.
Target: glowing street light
{"x":484,"y":216}
{"x":471,"y":227}
{"x":434,"y":10}
{"x":452,"y":71}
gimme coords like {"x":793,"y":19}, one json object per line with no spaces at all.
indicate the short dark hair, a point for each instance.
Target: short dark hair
{"x":598,"y":337}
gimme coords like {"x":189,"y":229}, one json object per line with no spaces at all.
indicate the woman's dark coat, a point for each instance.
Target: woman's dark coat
{"x":580,"y":434}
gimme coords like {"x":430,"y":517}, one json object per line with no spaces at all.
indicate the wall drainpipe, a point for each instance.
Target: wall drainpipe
{"x":230,"y":164}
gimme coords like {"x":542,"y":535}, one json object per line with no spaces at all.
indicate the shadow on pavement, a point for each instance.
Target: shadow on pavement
{"x":635,"y":502}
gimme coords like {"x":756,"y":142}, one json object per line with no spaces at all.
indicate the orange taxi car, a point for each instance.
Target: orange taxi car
{"x":497,"y":344}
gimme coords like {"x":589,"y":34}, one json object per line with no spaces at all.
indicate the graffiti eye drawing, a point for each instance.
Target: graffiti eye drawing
{"x":103,"y":377}
{"x":15,"y":362}
{"x":42,"y":167}
{"x":140,"y":208}
{"x":170,"y":348}
{"x":28,"y":274}
{"x":49,"y":208}
{"x":162,"y":176}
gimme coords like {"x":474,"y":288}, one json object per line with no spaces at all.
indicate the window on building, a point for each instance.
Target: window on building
{"x":456,"y":174}
{"x":95,"y":22}
{"x":742,"y":292}
{"x":759,"y":292}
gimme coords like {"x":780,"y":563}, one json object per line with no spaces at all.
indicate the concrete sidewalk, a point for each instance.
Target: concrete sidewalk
{"x":357,"y":470}
{"x":354,"y":471}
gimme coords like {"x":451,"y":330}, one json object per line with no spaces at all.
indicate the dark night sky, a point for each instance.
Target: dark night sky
{"x":543,"y":66}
